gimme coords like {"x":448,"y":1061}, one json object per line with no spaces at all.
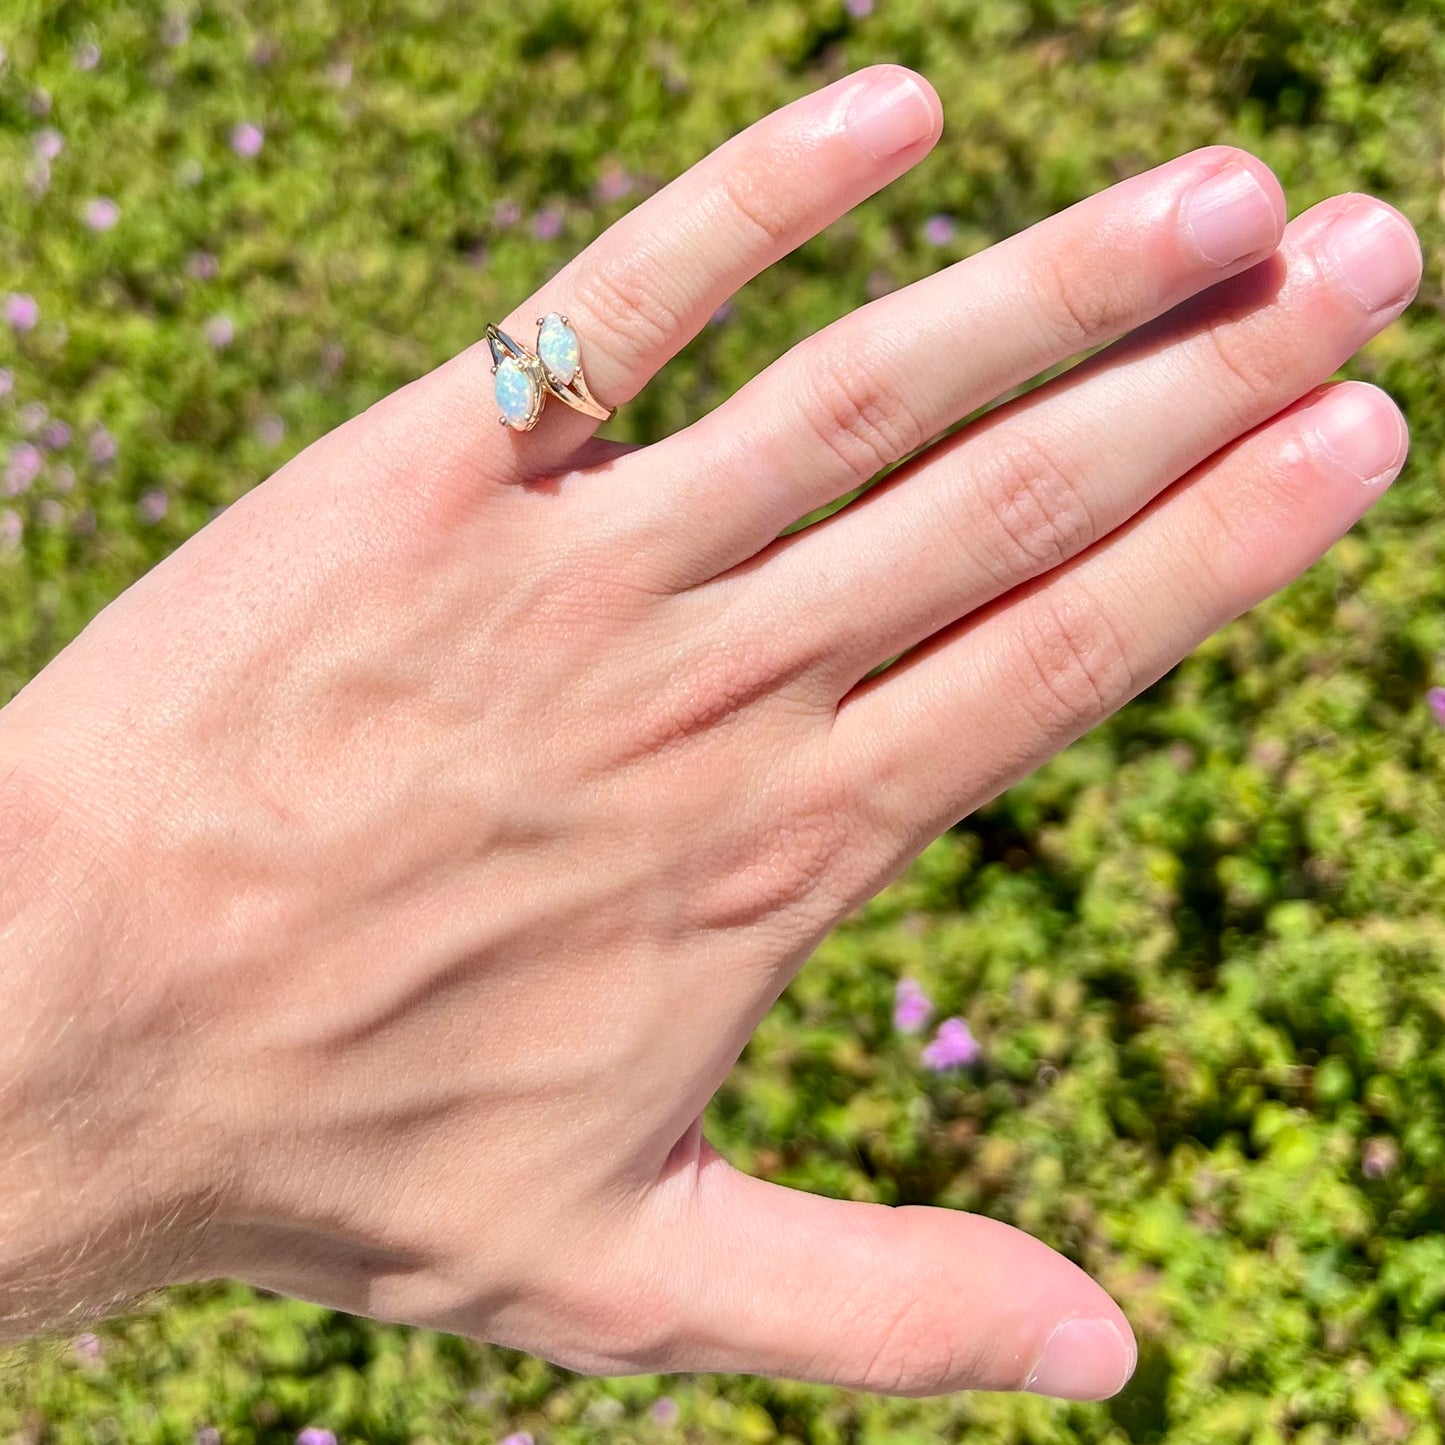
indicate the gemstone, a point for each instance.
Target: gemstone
{"x":516,"y":393}
{"x":559,"y":349}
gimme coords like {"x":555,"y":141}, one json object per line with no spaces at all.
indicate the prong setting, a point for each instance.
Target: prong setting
{"x":522,"y":379}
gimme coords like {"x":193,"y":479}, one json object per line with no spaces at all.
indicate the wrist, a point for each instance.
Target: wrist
{"x":94,"y":1195}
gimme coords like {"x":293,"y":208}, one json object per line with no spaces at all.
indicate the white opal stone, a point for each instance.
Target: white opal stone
{"x":558,"y":347}
{"x":516,"y":393}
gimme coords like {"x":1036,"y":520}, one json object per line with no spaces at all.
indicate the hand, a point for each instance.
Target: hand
{"x":407,"y":860}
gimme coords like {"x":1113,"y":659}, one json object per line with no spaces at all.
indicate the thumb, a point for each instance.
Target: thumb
{"x":900,"y":1301}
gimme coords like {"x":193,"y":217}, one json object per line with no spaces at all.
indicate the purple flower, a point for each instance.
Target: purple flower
{"x":911,"y":1006}
{"x":55,"y":437}
{"x":517,"y":1437}
{"x":723,"y":314}
{"x":175,"y":30}
{"x":48,"y":143}
{"x":89,"y":1349}
{"x":220,"y":331}
{"x":953,"y":1046}
{"x":62,"y":479}
{"x":1379,"y":1158}
{"x":665,"y":1410}
{"x":22,"y":311}
{"x":315,"y":1435}
{"x":153,"y":505}
{"x":40,"y":101}
{"x":12,"y":528}
{"x":101,"y":214}
{"x":22,"y":469}
{"x":52,"y":514}
{"x":547,"y":223}
{"x":859,"y":9}
{"x":1435,"y":701}
{"x":102,"y":446}
{"x":271,"y":430}
{"x":940,"y":230}
{"x":247,"y":139}
{"x":33,"y":416}
{"x":613,"y":184}
{"x":506,"y":213}
{"x":87,"y":56}
{"x":7,"y":381}
{"x":880,"y":283}
{"x":203,"y":266}
{"x":207,"y":1435}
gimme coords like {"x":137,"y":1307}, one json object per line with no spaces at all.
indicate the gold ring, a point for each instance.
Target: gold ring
{"x":521,"y":379}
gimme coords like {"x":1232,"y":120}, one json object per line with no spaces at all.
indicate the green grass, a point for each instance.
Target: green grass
{"x":1204,"y":950}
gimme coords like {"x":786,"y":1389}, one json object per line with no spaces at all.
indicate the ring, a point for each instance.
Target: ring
{"x":521,"y":379}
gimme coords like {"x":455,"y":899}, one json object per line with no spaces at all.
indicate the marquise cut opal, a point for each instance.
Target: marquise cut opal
{"x":559,"y":349}
{"x":516,"y":393}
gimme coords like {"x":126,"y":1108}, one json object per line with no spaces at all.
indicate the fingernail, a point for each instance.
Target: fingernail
{"x":1086,"y":1359}
{"x":1375,"y":255}
{"x":1230,"y":216}
{"x":890,"y":114}
{"x":1357,"y":434}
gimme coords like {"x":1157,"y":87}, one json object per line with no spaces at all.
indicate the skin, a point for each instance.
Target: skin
{"x":393,"y":874}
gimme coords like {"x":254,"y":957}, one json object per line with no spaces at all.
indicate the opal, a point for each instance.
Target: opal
{"x":559,"y":349}
{"x":516,"y":393}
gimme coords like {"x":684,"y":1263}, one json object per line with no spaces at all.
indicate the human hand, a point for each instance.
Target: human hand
{"x":398,"y":869}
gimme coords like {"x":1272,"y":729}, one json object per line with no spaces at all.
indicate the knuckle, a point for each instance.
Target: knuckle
{"x":628,"y":315}
{"x":919,"y":1344}
{"x":907,"y":1359}
{"x":919,"y":1354}
{"x":756,"y":200}
{"x":1074,"y":669}
{"x":1041,"y":510}
{"x":729,"y":676}
{"x":1242,"y":368}
{"x":1224,"y":533}
{"x":630,"y":1326}
{"x":1243,"y":530}
{"x":1081,"y":305}
{"x":788,"y":858}
{"x":864,"y":424}
{"x":643,"y":1337}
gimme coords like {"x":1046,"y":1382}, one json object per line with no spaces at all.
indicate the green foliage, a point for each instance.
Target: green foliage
{"x":1204,"y":950}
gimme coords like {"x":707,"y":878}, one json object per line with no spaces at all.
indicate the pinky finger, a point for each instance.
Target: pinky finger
{"x":986,"y":702}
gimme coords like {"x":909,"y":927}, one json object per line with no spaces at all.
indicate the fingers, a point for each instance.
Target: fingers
{"x":879,"y":383}
{"x":907,"y":1301}
{"x":988,"y":701}
{"x":646,"y":287}
{"x":1045,"y":477}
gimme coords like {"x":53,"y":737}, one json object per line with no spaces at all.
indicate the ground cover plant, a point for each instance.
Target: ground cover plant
{"x":1197,"y":964}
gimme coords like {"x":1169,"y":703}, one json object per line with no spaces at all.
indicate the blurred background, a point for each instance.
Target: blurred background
{"x":1199,"y":960}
